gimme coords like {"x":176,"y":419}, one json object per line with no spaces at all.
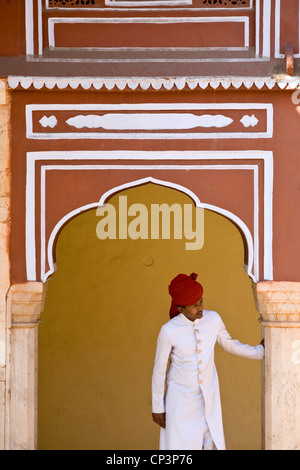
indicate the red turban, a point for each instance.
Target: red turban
{"x":184,"y":290}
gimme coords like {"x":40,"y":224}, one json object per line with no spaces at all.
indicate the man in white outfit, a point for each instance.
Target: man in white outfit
{"x":189,"y":413}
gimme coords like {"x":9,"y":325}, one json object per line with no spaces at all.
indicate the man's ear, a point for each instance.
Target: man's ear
{"x":181,"y":309}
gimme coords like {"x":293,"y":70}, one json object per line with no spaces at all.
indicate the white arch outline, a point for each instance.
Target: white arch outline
{"x":229,"y":215}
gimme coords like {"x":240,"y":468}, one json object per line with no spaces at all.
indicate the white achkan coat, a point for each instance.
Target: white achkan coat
{"x":192,"y":396}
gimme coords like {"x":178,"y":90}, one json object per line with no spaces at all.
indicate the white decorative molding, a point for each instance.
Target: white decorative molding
{"x":148,"y":83}
{"x":266,"y":16}
{"x":33,"y":24}
{"x":248,"y":121}
{"x":257,"y":28}
{"x":152,"y":4}
{"x":145,"y":120}
{"x":52,"y":21}
{"x":29,"y":27}
{"x":48,"y":121}
{"x":40,"y":28}
{"x":277,"y":31}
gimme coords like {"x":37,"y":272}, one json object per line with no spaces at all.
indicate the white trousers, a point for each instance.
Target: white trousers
{"x":208,"y":443}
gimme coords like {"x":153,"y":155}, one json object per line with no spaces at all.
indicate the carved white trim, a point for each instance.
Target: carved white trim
{"x":52,"y":21}
{"x":29,"y":27}
{"x":48,"y":121}
{"x":152,"y":4}
{"x":148,"y":118}
{"x":148,"y":83}
{"x":248,"y":121}
{"x":144,"y":121}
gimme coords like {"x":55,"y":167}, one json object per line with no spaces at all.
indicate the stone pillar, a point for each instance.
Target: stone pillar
{"x":279,"y":306}
{"x":24,"y":306}
{"x":4,"y":244}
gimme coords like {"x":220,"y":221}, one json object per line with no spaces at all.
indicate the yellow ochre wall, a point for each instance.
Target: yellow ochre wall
{"x":104,"y":308}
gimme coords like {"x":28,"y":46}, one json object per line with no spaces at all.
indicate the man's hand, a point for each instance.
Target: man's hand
{"x":160,"y":419}
{"x":262,"y":342}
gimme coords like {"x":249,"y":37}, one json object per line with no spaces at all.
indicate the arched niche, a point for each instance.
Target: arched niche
{"x":74,"y":329}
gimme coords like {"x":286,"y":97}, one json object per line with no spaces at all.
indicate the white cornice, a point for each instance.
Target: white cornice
{"x":145,"y":83}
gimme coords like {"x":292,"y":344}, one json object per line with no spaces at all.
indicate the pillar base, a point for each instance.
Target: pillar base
{"x":24,"y":305}
{"x":279,"y":306}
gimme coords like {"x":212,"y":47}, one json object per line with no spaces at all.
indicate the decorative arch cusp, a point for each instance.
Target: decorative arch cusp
{"x":241,"y":226}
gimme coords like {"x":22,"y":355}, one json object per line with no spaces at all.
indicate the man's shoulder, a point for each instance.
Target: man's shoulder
{"x":172,"y":324}
{"x":168,"y":329}
{"x":212,"y":315}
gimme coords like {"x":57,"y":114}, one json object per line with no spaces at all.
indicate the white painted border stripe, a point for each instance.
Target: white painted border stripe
{"x":149,"y":155}
{"x":268,"y":217}
{"x":43,"y":220}
{"x":156,"y":83}
{"x":257,"y":28}
{"x":148,"y":179}
{"x":155,"y":20}
{"x":143,"y":49}
{"x":30,"y":219}
{"x":40,"y":27}
{"x":152,"y":3}
{"x":266,"y":52}
{"x":152,"y":60}
{"x":147,"y":106}
{"x":29,"y":27}
{"x":298,"y":55}
{"x":149,"y":135}
{"x":256,"y":224}
{"x":146,"y":9}
{"x":277,"y":30}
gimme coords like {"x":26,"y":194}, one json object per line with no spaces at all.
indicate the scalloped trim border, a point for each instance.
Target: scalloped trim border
{"x":162,"y":84}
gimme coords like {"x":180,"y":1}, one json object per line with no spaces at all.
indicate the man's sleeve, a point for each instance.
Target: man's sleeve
{"x":234,"y":346}
{"x":163,"y":350}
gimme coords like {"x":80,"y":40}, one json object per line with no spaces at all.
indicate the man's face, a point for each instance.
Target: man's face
{"x":193,"y":312}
